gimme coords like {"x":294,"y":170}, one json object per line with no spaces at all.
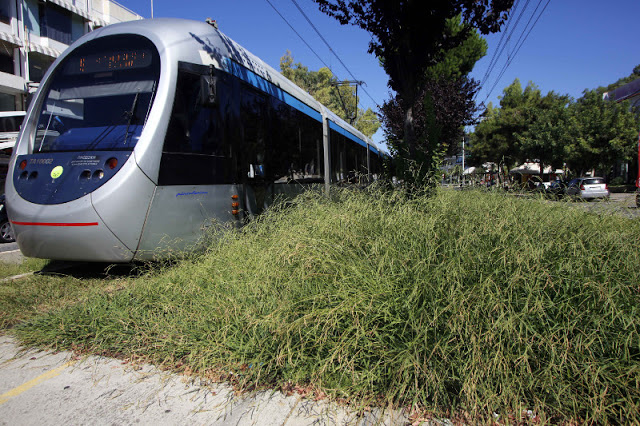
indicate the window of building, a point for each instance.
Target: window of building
{"x":6,"y":59}
{"x":5,"y":12}
{"x":7,"y":102}
{"x":38,"y":66}
{"x":55,"y":23}
{"x":77,"y":27}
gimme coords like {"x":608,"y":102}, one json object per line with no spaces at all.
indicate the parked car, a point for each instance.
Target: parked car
{"x":555,"y":190}
{"x":588,"y":188}
{"x":6,"y":233}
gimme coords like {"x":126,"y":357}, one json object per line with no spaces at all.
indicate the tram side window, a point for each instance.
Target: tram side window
{"x":348,"y":159}
{"x":281,"y":144}
{"x":285,"y":148}
{"x":356,"y":161}
{"x":196,"y":148}
{"x":338,"y":157}
{"x":253,"y":114}
{"x":297,"y":145}
{"x":311,"y":150}
{"x":375,"y":163}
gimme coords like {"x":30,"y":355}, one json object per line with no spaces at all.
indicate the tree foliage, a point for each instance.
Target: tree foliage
{"x":553,"y":129}
{"x":441,"y":111}
{"x":325,"y":88}
{"x":605,"y":132}
{"x":412,"y":36}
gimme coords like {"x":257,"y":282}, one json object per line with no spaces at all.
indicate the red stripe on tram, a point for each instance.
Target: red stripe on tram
{"x":54,"y":224}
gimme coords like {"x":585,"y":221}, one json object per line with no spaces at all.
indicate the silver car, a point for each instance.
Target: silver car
{"x":588,"y":188}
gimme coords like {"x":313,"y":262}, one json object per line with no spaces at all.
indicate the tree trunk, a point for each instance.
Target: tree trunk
{"x":410,"y":133}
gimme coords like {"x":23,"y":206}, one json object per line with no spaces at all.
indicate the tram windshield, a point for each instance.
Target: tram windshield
{"x":99,"y":97}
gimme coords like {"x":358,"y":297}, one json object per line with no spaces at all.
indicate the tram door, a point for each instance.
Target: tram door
{"x":255,"y":159}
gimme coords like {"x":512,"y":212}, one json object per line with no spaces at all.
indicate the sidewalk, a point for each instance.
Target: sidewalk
{"x":45,"y":388}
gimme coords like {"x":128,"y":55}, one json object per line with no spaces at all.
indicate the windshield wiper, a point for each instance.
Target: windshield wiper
{"x":131,"y":114}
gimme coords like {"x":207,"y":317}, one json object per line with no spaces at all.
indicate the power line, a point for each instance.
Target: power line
{"x":520,"y":42}
{"x":331,"y":49}
{"x":501,"y":49}
{"x":527,"y":36}
{"x":495,"y":52}
{"x":526,"y":26}
{"x":294,"y":30}
{"x":314,"y":52}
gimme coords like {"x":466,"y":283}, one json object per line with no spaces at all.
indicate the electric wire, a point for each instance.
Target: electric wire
{"x":495,"y":52}
{"x":527,"y":26}
{"x":331,"y":49}
{"x":518,"y":47}
{"x":500,"y":49}
{"x":525,"y":38}
{"x":298,"y":34}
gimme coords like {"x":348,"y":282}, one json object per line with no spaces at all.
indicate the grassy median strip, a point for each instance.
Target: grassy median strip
{"x":464,"y":304}
{"x":37,"y":294}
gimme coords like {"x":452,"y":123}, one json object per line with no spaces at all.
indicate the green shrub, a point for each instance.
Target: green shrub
{"x":616,"y":181}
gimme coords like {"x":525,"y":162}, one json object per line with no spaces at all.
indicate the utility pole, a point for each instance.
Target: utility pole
{"x":350,"y":118}
{"x":463,"y":160}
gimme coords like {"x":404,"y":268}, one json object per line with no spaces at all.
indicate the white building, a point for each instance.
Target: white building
{"x":33,"y":33}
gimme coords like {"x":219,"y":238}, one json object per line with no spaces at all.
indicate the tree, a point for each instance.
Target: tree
{"x":325,"y":88}
{"x":411,"y":36}
{"x":489,"y":143}
{"x":590,"y":133}
{"x":496,"y":136}
{"x":548,"y":132}
{"x":442,"y":110}
{"x":526,"y":127}
{"x":606,"y":132}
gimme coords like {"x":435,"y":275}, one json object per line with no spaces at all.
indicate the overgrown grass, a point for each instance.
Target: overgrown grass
{"x":466,"y":302}
{"x":34,"y":295}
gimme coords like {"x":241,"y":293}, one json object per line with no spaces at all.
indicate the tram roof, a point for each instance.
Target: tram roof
{"x":199,"y":42}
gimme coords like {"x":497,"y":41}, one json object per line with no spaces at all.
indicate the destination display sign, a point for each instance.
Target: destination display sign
{"x":109,"y":61}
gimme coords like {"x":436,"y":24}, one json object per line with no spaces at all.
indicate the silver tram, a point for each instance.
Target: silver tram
{"x":143,"y":134}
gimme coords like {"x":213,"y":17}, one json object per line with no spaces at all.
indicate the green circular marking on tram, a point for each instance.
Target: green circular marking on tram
{"x":56,"y":172}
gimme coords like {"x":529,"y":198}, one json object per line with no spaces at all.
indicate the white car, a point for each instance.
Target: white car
{"x":588,"y":188}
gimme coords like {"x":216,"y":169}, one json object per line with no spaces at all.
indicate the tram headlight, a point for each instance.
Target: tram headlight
{"x":23,"y":164}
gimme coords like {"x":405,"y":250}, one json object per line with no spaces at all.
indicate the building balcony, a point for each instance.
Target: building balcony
{"x":11,"y":84}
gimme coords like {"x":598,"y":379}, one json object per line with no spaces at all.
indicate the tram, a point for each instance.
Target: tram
{"x":144,"y":134}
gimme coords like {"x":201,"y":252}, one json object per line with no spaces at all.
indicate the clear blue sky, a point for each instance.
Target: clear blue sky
{"x":575,"y":45}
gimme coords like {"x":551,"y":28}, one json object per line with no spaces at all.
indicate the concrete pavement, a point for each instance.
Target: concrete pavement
{"x":45,"y":388}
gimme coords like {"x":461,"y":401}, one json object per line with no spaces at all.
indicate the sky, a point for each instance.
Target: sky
{"x":568,"y":45}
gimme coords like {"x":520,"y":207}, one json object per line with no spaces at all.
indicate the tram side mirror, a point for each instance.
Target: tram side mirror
{"x":208,"y":93}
